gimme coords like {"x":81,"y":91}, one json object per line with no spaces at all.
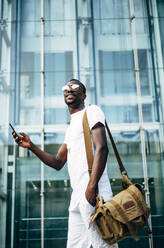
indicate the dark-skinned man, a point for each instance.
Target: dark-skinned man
{"x":72,"y":151}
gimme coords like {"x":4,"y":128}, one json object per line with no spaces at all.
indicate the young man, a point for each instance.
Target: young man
{"x":83,"y":197}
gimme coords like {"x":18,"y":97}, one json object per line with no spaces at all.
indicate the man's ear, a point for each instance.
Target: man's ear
{"x":84,"y":96}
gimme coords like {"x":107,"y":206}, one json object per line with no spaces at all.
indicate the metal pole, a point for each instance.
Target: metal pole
{"x":139,"y":102}
{"x":42,"y":122}
{"x":13,"y":198}
{"x":93,"y":51}
{"x":77,"y":39}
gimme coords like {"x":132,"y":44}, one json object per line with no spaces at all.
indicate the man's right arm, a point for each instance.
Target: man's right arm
{"x":56,"y":162}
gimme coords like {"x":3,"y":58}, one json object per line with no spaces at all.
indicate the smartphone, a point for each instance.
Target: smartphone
{"x":13,"y":129}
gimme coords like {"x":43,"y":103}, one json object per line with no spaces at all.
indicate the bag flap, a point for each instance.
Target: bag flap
{"x":127,"y":205}
{"x":100,"y":210}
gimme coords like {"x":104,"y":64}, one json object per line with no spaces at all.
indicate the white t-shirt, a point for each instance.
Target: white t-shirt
{"x":76,"y":156}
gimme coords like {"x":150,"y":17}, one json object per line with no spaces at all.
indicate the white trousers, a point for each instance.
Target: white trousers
{"x":79,"y":233}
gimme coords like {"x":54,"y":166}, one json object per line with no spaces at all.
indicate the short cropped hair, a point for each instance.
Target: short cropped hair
{"x":80,"y":83}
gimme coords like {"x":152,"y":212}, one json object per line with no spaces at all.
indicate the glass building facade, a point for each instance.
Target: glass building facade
{"x":116,"y":48}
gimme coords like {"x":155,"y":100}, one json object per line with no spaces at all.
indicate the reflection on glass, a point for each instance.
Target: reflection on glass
{"x":53,"y":142}
{"x":3,"y":187}
{"x":59,"y":10}
{"x":27,"y":196}
{"x":59,"y":70}
{"x":116,"y":72}
{"x":30,"y":100}
{"x":154,"y":143}
{"x":30,"y":10}
{"x":117,"y":81}
{"x":160,"y":6}
{"x":127,"y":114}
{"x":4,"y":99}
{"x":29,"y":80}
{"x":118,"y":87}
{"x":57,"y":195}
{"x":128,"y":145}
{"x":145,"y":73}
{"x":110,"y":13}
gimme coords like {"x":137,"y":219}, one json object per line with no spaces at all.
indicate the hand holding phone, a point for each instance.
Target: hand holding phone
{"x":22,"y":140}
{"x":13,"y":129}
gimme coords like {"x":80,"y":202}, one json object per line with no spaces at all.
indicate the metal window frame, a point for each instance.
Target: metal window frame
{"x":42,"y":119}
{"x":139,"y":96}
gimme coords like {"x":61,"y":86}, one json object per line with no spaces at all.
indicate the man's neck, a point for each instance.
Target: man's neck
{"x":73,"y":110}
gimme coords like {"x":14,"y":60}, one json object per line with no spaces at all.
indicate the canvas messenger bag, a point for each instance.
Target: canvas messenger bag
{"x":126,"y":213}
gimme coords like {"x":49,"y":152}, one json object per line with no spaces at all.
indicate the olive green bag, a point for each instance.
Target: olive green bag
{"x":126,"y":213}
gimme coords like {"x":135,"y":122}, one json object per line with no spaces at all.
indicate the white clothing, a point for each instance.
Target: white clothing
{"x":79,"y":235}
{"x":76,"y":156}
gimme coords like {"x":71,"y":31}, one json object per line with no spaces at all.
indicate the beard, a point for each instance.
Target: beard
{"x":75,"y":103}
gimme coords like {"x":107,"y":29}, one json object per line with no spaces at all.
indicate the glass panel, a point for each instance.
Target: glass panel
{"x":128,"y":145}
{"x":4,"y":99}
{"x":110,"y":13}
{"x":29,"y":81}
{"x":5,"y":52}
{"x":127,"y":114}
{"x":30,"y":98}
{"x":58,"y":58}
{"x":155,"y":161}
{"x":30,"y":10}
{"x":57,"y":196}
{"x":160,"y":6}
{"x":118,"y":87}
{"x":30,"y":19}
{"x":55,"y":10}
{"x":140,"y":16}
{"x":3,"y":182}
{"x":147,"y":75}
{"x":5,"y":11}
{"x":59,"y":70}
{"x":118,"y":77}
{"x":27,"y":197}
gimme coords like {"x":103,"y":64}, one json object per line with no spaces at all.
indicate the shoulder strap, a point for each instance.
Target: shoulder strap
{"x":88,"y":145}
{"x":122,"y":168}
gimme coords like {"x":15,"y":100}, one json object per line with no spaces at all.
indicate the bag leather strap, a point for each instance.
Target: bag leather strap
{"x":121,"y":166}
{"x":88,"y":145}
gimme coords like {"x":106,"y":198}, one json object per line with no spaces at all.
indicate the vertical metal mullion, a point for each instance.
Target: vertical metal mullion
{"x":13,"y":199}
{"x":14,"y":113}
{"x":93,"y":51}
{"x":139,"y":102}
{"x":77,"y":39}
{"x":42,"y":122}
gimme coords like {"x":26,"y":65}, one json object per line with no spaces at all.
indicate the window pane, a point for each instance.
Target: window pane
{"x":127,"y":114}
{"x":59,"y":70}
{"x":116,"y":74}
{"x":57,"y":195}
{"x":27,"y":196}
{"x":110,"y":14}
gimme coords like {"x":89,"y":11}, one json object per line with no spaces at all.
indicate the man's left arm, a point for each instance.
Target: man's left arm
{"x":99,"y":162}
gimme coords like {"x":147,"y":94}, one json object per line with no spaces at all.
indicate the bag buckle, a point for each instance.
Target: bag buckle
{"x":124,"y":172}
